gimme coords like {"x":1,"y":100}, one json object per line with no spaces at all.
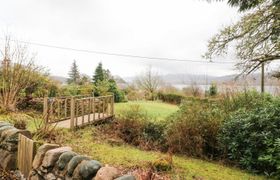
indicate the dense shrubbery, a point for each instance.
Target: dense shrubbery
{"x":252,"y":137}
{"x":193,"y":129}
{"x":137,"y":128}
{"x":134,"y":94}
{"x":74,"y":90}
{"x":171,"y":98}
{"x":243,"y":128}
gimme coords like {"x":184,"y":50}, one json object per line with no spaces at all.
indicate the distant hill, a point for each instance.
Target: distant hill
{"x":61,"y":79}
{"x":188,"y":78}
{"x":175,"y":79}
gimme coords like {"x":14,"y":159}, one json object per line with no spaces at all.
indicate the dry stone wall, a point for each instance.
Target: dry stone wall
{"x":9,"y":145}
{"x":53,"y":162}
{"x":61,"y":163}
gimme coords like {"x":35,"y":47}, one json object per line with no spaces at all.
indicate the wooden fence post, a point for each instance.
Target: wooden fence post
{"x":93,"y":108}
{"x":45,"y":109}
{"x":26,"y":153}
{"x":72,"y":111}
{"x":83,"y":111}
{"x":107,"y":105}
{"x":99,"y":107}
{"x":112,"y":105}
{"x":58,"y":108}
{"x":103,"y":107}
{"x":65,"y":108}
{"x":89,"y":109}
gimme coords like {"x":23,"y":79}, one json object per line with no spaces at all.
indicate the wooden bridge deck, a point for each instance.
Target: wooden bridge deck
{"x":83,"y":120}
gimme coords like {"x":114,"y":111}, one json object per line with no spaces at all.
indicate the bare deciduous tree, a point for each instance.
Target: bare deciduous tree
{"x":17,"y":72}
{"x":149,"y":81}
{"x":255,"y":37}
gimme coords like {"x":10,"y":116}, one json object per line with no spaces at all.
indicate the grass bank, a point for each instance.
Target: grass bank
{"x":87,"y":141}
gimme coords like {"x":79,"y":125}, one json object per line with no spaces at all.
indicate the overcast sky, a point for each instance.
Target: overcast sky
{"x":159,"y":28}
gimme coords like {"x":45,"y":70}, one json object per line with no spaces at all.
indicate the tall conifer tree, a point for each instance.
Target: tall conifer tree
{"x":74,"y":74}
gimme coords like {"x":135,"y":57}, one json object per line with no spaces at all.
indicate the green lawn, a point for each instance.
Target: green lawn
{"x":155,"y":109}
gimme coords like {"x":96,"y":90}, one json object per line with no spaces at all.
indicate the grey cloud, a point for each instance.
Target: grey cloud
{"x":163,"y":28}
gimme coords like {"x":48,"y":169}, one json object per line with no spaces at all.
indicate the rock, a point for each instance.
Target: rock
{"x":52,"y":156}
{"x":35,"y":176}
{"x":2,"y":123}
{"x":107,"y":173}
{"x":4,"y":128}
{"x":4,"y":154}
{"x":64,"y":159}
{"x":50,"y":176}
{"x":17,"y":174}
{"x":88,"y":169}
{"x":9,"y":162}
{"x":41,"y":153}
{"x":74,"y":163}
{"x":126,"y":177}
{"x":13,"y":134}
{"x":76,"y":172}
{"x":9,"y":138}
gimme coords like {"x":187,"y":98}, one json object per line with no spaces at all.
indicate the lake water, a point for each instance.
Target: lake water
{"x":274,"y":90}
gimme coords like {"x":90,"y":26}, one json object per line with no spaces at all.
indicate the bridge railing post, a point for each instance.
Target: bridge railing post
{"x":93,"y":108}
{"x":112,"y":105}
{"x":72,"y":112}
{"x":45,"y":108}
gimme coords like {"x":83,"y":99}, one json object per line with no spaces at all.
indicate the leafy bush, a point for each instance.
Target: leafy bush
{"x":135,"y":127}
{"x":134,"y":94}
{"x":171,"y":98}
{"x":131,"y":124}
{"x":30,"y":104}
{"x":213,"y":90}
{"x":19,"y":120}
{"x":70,"y":90}
{"x":162,"y":164}
{"x":106,"y":87}
{"x":193,"y":129}
{"x":119,"y":96}
{"x":252,"y":137}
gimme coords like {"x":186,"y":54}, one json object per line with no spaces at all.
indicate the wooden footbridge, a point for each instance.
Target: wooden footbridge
{"x":78,"y":111}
